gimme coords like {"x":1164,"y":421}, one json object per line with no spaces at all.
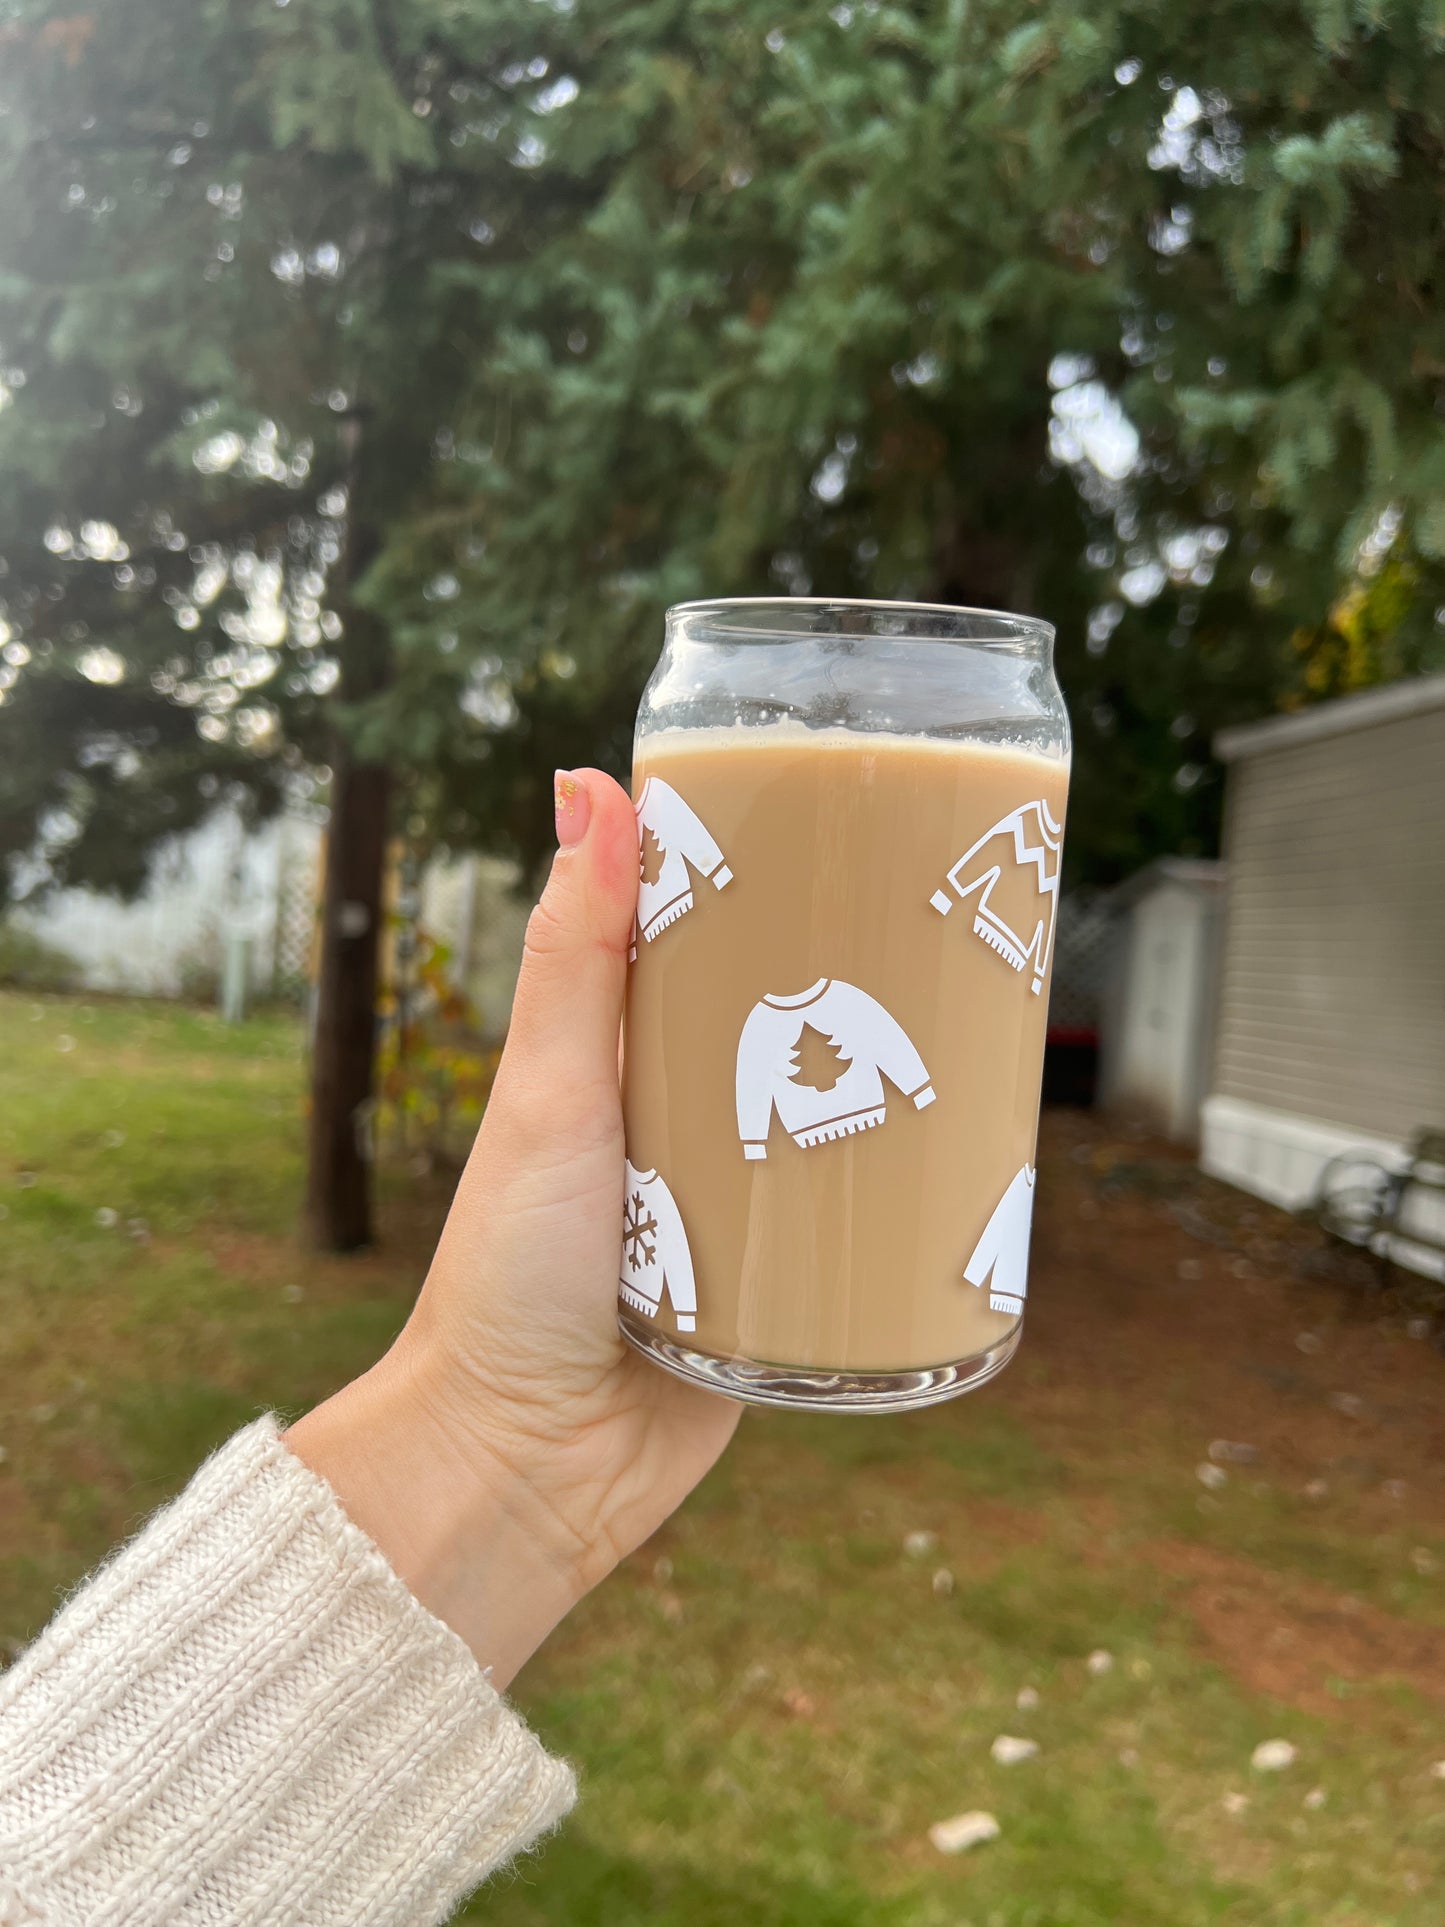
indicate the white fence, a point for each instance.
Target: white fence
{"x":170,"y":941}
{"x":222,"y":879}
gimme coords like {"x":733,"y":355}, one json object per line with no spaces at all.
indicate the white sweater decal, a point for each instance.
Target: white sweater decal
{"x":669,"y":837}
{"x":655,"y":1250}
{"x":1026,"y":837}
{"x":1003,"y":1250}
{"x":854,"y":1044}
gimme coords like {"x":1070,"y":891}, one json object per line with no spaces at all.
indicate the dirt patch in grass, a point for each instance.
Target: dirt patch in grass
{"x":265,"y":1260}
{"x":1179,"y":1307}
{"x":995,"y":1526}
{"x":1291,"y":1640}
{"x":249,"y":1255}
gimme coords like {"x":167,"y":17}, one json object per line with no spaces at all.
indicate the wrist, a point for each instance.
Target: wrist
{"x":453,"y":1505}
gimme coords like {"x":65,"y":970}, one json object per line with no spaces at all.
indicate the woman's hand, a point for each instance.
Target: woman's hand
{"x":511,"y":1448}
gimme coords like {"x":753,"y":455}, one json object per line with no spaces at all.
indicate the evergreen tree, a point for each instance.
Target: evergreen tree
{"x":651,"y":857}
{"x":228,"y":355}
{"x":817,"y":1060}
{"x":1128,"y":314}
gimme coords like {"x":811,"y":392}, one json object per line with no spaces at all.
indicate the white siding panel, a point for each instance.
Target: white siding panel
{"x":1332,"y":999}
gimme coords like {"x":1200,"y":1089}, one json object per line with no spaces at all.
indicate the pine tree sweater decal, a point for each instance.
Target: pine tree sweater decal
{"x":867,"y":1045}
{"x":655,"y":1250}
{"x":669,"y":837}
{"x":1001,"y":1256}
{"x":1029,"y":839}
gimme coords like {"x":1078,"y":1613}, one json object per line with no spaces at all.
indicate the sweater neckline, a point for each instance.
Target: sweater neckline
{"x":809,"y":996}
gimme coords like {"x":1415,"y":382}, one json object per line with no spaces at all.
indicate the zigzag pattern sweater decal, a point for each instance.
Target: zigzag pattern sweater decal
{"x":1026,"y":839}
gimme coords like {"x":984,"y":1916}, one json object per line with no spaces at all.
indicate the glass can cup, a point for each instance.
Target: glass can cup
{"x":850,"y":818}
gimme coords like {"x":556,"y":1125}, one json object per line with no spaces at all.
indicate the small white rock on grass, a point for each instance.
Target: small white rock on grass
{"x":1100,"y":1662}
{"x":1028,"y":1699}
{"x":1212,"y":1477}
{"x":918,"y":1544}
{"x":1273,"y":1756}
{"x":1008,"y":1750}
{"x":1437,"y":1772}
{"x":943,"y":1583}
{"x":1316,"y":1798}
{"x":963,"y":1831}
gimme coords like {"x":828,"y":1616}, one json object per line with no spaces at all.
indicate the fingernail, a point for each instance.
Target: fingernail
{"x":574,"y":807}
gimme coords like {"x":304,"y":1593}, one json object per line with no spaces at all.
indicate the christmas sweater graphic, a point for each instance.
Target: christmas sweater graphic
{"x":820,"y":1059}
{"x":655,"y":1251}
{"x":1001,"y":1256}
{"x":669,"y":837}
{"x":1012,"y":875}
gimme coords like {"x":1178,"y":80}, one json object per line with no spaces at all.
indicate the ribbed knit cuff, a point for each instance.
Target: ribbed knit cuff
{"x":245,"y":1716}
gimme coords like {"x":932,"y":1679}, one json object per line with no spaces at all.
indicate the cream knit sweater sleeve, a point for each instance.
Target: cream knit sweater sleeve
{"x":245,"y":1716}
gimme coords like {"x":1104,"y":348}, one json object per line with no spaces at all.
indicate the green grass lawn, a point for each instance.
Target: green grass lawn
{"x":773,"y":1701}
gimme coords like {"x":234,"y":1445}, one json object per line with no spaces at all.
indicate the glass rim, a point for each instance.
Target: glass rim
{"x":733,"y":612}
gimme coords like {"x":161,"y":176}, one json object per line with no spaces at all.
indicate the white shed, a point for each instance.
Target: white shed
{"x":1159,"y":1018}
{"x":1331,"y":1018}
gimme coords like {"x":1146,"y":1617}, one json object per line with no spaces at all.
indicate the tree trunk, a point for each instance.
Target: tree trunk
{"x":343,"y":1055}
{"x":988,"y":563}
{"x":343,"y":1051}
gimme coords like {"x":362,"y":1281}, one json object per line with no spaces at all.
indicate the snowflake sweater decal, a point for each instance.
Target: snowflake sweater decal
{"x":827,"y":1085}
{"x":655,"y":1251}
{"x":669,"y":837}
{"x":1018,"y":859}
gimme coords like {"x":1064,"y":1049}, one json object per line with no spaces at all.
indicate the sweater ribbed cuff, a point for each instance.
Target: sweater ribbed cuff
{"x":245,"y":1716}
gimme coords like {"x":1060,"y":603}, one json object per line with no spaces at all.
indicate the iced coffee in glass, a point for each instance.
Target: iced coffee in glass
{"x":849,"y":818}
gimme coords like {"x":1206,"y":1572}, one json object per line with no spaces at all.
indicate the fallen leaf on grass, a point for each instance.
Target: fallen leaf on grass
{"x":1008,"y":1750}
{"x":963,"y":1831}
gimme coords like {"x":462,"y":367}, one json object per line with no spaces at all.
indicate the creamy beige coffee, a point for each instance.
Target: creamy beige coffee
{"x":834,"y":1043}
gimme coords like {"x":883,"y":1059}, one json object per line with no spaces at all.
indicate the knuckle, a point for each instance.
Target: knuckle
{"x":547,"y":1119}
{"x":547,"y":934}
{"x":573,"y":1123}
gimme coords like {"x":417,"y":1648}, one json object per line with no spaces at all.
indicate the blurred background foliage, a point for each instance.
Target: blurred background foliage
{"x":435,"y":1066}
{"x":388,"y":369}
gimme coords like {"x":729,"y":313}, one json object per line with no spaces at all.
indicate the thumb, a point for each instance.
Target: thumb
{"x":567,"y":1011}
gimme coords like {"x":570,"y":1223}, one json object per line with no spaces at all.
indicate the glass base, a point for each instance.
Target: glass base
{"x":808,"y":1390}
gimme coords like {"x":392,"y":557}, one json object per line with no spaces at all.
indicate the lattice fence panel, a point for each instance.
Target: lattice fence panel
{"x":1084,"y":951}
